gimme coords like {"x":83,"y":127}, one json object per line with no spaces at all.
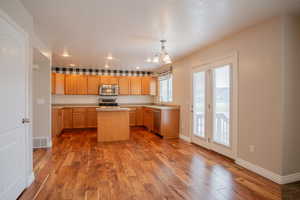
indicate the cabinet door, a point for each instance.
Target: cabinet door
{"x":70,"y":84}
{"x":153,"y":86}
{"x":132,"y":118}
{"x":91,"y":118}
{"x":59,"y":84}
{"x":109,"y":80}
{"x":81,"y":85}
{"x":135,"y":86}
{"x":146,"y":85}
{"x":148,"y":119}
{"x":139,"y":116}
{"x":67,"y":118}
{"x":93,"y":85}
{"x":124,"y":85}
{"x":54,"y":118}
{"x":79,"y":117}
{"x":53,"y":83}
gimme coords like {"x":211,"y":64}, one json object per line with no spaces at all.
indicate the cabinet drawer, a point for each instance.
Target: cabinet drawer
{"x":78,"y":110}
{"x":91,"y":109}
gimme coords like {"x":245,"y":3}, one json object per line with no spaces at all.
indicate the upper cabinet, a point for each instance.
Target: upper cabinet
{"x":149,"y":86}
{"x":58,"y":83}
{"x":135,"y":85}
{"x":109,"y":80}
{"x":76,"y":84}
{"x":93,"y":82}
{"x":124,"y":85}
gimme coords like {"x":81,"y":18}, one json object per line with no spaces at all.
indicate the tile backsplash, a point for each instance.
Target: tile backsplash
{"x":91,"y":99}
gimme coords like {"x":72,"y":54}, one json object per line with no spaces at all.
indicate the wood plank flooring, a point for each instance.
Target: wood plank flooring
{"x":145,"y":167}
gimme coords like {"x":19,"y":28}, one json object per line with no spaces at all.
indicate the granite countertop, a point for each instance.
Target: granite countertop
{"x":111,"y":109}
{"x":154,"y":106}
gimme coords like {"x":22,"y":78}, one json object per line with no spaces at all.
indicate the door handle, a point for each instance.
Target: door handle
{"x":25,"y":121}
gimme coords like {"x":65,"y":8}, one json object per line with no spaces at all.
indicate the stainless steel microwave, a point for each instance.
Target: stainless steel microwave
{"x":108,"y":90}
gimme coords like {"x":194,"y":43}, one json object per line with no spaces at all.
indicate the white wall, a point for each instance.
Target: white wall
{"x":92,"y":99}
{"x":259,"y":93}
{"x":291,"y":72}
{"x":41,"y":97}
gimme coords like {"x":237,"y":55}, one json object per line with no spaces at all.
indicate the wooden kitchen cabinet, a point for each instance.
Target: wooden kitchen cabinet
{"x":135,"y":85}
{"x":81,"y":85}
{"x":132,"y":117}
{"x":124,"y":86}
{"x":148,"y":118}
{"x":67,"y":118}
{"x":139,"y":116}
{"x":58,"y":83}
{"x":57,"y":121}
{"x":91,"y":118}
{"x":79,"y":117}
{"x":93,"y":82}
{"x":109,"y":80}
{"x":76,"y":84}
{"x":70,"y":84}
{"x":149,"y":86}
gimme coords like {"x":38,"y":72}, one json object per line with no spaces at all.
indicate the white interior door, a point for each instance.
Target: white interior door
{"x":13,"y":52}
{"x":215,"y":107}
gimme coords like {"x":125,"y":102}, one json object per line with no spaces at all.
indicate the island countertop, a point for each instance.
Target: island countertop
{"x":111,"y":109}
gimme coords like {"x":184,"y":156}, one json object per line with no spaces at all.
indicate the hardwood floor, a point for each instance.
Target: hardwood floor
{"x":145,"y":167}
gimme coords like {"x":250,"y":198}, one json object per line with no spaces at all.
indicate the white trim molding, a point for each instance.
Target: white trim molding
{"x":267,"y":173}
{"x":185,"y":138}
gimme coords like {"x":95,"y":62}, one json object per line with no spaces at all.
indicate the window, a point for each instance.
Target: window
{"x":165,"y":85}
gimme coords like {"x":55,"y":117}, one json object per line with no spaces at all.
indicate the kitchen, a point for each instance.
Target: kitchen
{"x":159,"y":119}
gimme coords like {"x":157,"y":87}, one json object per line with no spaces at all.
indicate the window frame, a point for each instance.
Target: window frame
{"x":169,"y":97}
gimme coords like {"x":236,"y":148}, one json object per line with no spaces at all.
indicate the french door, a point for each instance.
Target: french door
{"x":215,"y":106}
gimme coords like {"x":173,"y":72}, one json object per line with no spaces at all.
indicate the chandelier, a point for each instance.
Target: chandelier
{"x":162,"y":57}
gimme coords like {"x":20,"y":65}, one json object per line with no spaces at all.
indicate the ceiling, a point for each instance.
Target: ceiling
{"x":130,"y":30}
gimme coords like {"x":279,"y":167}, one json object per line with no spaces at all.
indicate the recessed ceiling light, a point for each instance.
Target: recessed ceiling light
{"x":72,"y":65}
{"x":149,"y":60}
{"x":109,"y":57}
{"x":137,"y":67}
{"x":65,"y":54}
{"x":106,"y":66}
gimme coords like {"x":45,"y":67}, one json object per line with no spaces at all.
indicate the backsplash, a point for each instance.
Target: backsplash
{"x":92,"y":99}
{"x":85,"y":71}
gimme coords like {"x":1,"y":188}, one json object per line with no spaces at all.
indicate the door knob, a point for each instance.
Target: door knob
{"x":25,"y":120}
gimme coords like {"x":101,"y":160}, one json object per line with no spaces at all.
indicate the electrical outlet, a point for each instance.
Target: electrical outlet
{"x":251,"y":148}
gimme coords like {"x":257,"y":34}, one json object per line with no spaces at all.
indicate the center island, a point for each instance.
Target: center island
{"x":112,"y":124}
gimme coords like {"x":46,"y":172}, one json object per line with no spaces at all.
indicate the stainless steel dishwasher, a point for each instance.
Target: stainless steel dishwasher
{"x":156,"y":121}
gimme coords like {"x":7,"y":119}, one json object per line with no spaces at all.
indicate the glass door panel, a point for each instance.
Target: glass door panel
{"x":221,"y":105}
{"x":199,"y":104}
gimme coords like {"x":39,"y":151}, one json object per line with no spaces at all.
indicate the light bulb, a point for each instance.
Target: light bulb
{"x":149,"y":60}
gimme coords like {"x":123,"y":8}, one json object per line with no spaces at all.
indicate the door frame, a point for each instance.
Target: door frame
{"x":203,"y":66}
{"x":29,"y":174}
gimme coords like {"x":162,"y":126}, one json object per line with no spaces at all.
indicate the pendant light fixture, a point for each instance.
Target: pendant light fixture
{"x":162,"y":57}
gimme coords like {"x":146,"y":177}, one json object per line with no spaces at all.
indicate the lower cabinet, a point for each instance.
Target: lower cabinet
{"x":67,"y":118}
{"x":57,"y":122}
{"x":164,"y":122}
{"x":91,"y":118}
{"x":79,"y":117}
{"x":132,"y":117}
{"x":148,"y":119}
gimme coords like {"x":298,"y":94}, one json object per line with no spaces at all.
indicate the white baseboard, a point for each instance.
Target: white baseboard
{"x":267,"y":173}
{"x":30,"y":179}
{"x":290,"y":178}
{"x":185,"y":138}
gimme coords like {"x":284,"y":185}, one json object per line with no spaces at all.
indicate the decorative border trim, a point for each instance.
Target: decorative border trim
{"x":108,"y":72}
{"x":185,"y":138}
{"x":267,"y":173}
{"x":30,"y":179}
